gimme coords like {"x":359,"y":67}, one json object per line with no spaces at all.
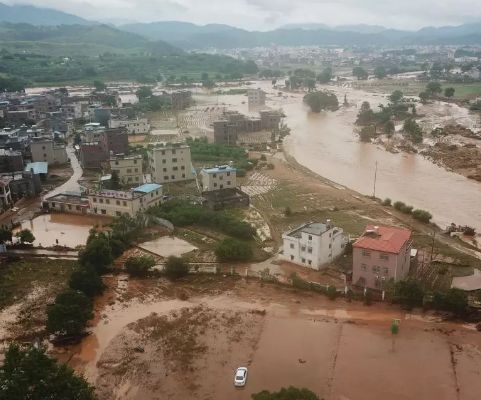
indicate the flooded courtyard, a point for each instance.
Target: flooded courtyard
{"x":159,"y":346}
{"x":67,"y":230}
{"x":168,"y":246}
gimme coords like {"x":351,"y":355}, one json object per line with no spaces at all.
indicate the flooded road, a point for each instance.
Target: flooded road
{"x":326,"y":144}
{"x":69,"y":229}
{"x":72,"y":184}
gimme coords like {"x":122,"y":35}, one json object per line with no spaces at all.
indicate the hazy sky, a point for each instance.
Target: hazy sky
{"x":268,"y":14}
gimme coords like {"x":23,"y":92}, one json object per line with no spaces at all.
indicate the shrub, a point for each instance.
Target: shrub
{"x":176,"y":268}
{"x":97,"y":252}
{"x":70,"y":313}
{"x":298,"y":282}
{"x":407,"y":209}
{"x":233,"y":250}
{"x":263,"y":157}
{"x":86,"y":280}
{"x":422,"y":215}
{"x":288,"y":211}
{"x":331,"y":292}
{"x":409,"y":294}
{"x":387,"y":202}
{"x":399,"y":205}
{"x":138,"y":266}
{"x":454,"y":300}
{"x":368,"y":298}
{"x":290,"y":393}
{"x":25,"y":236}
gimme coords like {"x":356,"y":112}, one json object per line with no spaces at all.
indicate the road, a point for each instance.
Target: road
{"x":72,"y":184}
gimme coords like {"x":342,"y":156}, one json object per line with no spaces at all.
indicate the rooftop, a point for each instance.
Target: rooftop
{"x":383,"y":238}
{"x":39,"y":167}
{"x":311,"y":228}
{"x":218,"y":169}
{"x":70,"y":197}
{"x":147,"y":188}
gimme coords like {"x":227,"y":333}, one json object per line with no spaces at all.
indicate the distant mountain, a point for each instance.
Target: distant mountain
{"x":38,"y":16}
{"x":190,"y":36}
{"x":78,"y":39}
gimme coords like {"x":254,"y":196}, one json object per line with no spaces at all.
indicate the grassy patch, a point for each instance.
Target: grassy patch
{"x":18,"y":279}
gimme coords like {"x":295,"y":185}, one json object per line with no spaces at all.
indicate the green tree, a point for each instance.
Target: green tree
{"x":5,"y":235}
{"x":144,"y":92}
{"x":11,"y":85}
{"x":454,"y":300}
{"x":319,"y":101}
{"x":99,"y":86}
{"x":69,"y":314}
{"x":310,"y":83}
{"x":360,"y":73}
{"x":367,"y":133}
{"x":413,"y":130}
{"x":139,"y":266}
{"x":97,"y":252}
{"x":115,"y":181}
{"x":389,"y":128}
{"x":86,"y":280}
{"x":290,"y":393}
{"x":325,"y":76}
{"x":449,"y":91}
{"x":25,"y":236}
{"x":433,"y":88}
{"x":409,"y":294}
{"x":423,"y":97}
{"x":176,"y":267}
{"x":396,"y":96}
{"x":30,"y":374}
{"x":380,"y":72}
{"x":422,"y":215}
{"x":233,"y":250}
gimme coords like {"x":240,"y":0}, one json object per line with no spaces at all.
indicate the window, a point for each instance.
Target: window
{"x":303,"y":260}
{"x":117,"y":202}
{"x":214,"y":175}
{"x":125,"y":203}
{"x":95,"y":200}
{"x":151,"y":195}
{"x":228,"y":173}
{"x":69,"y":206}
{"x":162,"y":152}
{"x":173,"y":151}
{"x":366,"y":253}
{"x":386,"y":271}
{"x":118,"y":213}
{"x":183,"y":175}
{"x":228,"y":183}
{"x":136,"y":178}
{"x":310,"y":237}
{"x":222,"y":186}
{"x":309,"y":262}
{"x":215,"y":184}
{"x":129,"y":179}
{"x":135,"y":161}
{"x":164,"y":161}
{"x":107,"y":201}
{"x":174,"y":160}
{"x":101,"y":201}
{"x":166,"y":178}
{"x":175,"y":168}
{"x":129,"y":170}
{"x":77,"y":208}
{"x":363,"y":267}
{"x":182,"y":168}
{"x":173,"y":176}
{"x":292,"y":258}
{"x":103,"y":211}
{"x":376,"y":269}
{"x":309,"y":250}
{"x":330,"y":245}
{"x":303,"y":248}
{"x":164,"y":169}
{"x":136,"y":170}
{"x":292,"y":245}
{"x":384,"y":256}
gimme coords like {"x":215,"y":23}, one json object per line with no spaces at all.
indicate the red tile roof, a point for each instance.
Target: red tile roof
{"x":389,"y":239}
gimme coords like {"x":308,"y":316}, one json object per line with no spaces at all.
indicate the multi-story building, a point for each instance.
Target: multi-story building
{"x":270,"y":120}
{"x":72,"y":111}
{"x":313,"y":245}
{"x":171,"y":163}
{"x":45,"y":149}
{"x":181,"y":99}
{"x":114,"y":141}
{"x":382,"y":253}
{"x":256,"y":98}
{"x":129,"y":169}
{"x":92,"y":155}
{"x":217,"y":178}
{"x":134,"y":126}
{"x":115,"y":202}
{"x":10,"y":160}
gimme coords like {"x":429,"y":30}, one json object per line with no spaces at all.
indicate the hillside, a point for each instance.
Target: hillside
{"x":68,"y":40}
{"x":38,"y":16}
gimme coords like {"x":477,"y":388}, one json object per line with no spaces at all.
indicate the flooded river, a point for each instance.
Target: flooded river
{"x":326,"y":144}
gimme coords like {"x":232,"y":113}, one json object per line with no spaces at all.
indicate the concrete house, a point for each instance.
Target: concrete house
{"x":313,"y":244}
{"x":171,"y":163}
{"x":45,"y":149}
{"x":256,"y":98}
{"x":129,"y":169}
{"x":134,"y":126}
{"x":217,"y":178}
{"x":114,"y":203}
{"x":380,"y":254}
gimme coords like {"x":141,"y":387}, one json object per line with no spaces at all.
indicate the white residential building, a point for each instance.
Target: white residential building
{"x":129,"y":169}
{"x":171,"y":163}
{"x":313,"y":245}
{"x":134,"y":126}
{"x":256,"y":98}
{"x":114,"y":203}
{"x":222,"y":177}
{"x":45,"y":149}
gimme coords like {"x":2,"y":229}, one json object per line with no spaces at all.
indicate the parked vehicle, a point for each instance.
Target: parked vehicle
{"x":240,"y":377}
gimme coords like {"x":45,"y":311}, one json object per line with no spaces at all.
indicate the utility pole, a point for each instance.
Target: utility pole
{"x":432,"y":248}
{"x":375,"y":179}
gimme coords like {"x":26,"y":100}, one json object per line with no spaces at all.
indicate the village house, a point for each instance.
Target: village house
{"x":129,"y":169}
{"x":382,"y":253}
{"x":218,"y":178}
{"x":134,"y":126}
{"x":115,"y":203}
{"x":256,"y":98}
{"x":45,"y":149}
{"x":171,"y":163}
{"x":69,"y":202}
{"x":313,"y":244}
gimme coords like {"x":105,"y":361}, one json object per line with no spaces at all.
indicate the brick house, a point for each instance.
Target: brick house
{"x":382,"y":253}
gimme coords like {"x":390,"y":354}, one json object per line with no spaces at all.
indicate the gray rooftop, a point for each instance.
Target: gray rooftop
{"x":312,"y":228}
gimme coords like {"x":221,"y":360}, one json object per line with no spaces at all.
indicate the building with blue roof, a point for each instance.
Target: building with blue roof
{"x":218,"y":178}
{"x":39,"y":167}
{"x":148,"y":188}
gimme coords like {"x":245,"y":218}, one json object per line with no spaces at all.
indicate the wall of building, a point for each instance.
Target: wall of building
{"x":218,"y":180}
{"x":170,"y":164}
{"x":134,"y":127}
{"x":129,"y":169}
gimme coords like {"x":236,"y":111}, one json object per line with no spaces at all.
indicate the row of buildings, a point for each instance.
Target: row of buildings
{"x":380,"y":255}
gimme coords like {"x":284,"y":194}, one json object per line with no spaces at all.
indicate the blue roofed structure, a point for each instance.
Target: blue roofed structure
{"x":148,"y":188}
{"x":216,"y":170}
{"x":39,"y":167}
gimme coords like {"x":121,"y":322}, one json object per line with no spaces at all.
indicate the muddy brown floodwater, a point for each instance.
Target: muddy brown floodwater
{"x":326,"y":144}
{"x":70,"y":230}
{"x":159,"y":347}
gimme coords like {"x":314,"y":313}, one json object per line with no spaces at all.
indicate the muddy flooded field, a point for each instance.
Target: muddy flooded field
{"x":68,"y":229}
{"x":168,"y":246}
{"x":149,"y":344}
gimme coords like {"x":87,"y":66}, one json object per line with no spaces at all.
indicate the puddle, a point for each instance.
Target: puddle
{"x":70,"y":230}
{"x":168,"y":246}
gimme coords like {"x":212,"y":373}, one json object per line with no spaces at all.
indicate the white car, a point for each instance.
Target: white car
{"x":240,"y":377}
